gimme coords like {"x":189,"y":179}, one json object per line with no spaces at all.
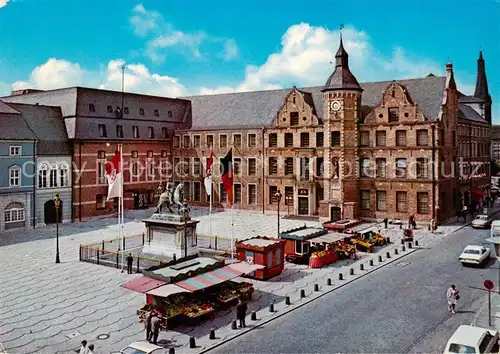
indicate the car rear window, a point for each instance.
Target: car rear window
{"x":130,"y":350}
{"x":472,"y":251}
{"x":459,"y":348}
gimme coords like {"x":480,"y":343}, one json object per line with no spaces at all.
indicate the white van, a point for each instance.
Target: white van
{"x":472,"y":340}
{"x":495,"y":228}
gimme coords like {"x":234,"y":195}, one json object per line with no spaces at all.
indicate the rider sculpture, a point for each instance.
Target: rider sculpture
{"x":170,"y":197}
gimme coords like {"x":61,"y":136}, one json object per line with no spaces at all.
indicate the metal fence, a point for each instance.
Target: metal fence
{"x":109,"y":252}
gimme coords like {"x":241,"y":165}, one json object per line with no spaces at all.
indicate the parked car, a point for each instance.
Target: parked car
{"x":475,"y":255}
{"x":481,"y":222}
{"x":143,"y":348}
{"x":472,"y":340}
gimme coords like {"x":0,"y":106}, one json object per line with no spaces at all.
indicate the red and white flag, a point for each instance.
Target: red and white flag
{"x":115,"y":176}
{"x":208,"y":174}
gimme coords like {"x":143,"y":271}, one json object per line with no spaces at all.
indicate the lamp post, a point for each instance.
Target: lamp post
{"x":277,"y":196}
{"x":57,"y":204}
{"x":185,"y":214}
{"x":496,"y":243}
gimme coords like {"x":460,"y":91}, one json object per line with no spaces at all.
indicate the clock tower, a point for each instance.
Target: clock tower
{"x":342,"y":103}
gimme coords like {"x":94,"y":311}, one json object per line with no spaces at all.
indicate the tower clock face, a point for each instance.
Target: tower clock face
{"x":335,"y":106}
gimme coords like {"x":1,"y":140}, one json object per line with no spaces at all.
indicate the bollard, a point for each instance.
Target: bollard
{"x":380,"y":258}
{"x":97,"y":257}
{"x":409,"y":245}
{"x":396,"y":252}
{"x":400,"y":226}
{"x":253,"y":316}
{"x":103,"y":245}
{"x":316,"y":287}
{"x":328,"y":281}
{"x":212,"y":334}
{"x":341,"y":276}
{"x":351,"y":271}
{"x":404,"y":248}
{"x":174,"y":258}
{"x":137,"y":270}
{"x":388,"y":255}
{"x":302,"y":293}
{"x":287,"y":301}
{"x":361,"y":267}
{"x":171,"y":350}
{"x":416,"y":243}
{"x":192,"y":342}
{"x":371,"y":262}
{"x":117,"y":259}
{"x":388,"y":239}
{"x":271,"y":308}
{"x":233,"y":325}
{"x":402,"y":241}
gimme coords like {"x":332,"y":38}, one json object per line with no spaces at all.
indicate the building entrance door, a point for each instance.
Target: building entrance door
{"x":303,"y":206}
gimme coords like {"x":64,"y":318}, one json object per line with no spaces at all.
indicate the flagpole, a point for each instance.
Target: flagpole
{"x":232,"y":207}
{"x":210,"y":205}
{"x":120,"y":204}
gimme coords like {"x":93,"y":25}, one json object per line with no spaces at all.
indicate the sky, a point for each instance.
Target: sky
{"x":191,"y":47}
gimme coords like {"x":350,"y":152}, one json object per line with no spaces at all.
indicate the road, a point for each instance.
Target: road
{"x":400,"y":309}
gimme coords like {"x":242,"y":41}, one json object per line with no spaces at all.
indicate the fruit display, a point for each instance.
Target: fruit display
{"x":321,"y":258}
{"x":230,"y":291}
{"x":198,"y":310}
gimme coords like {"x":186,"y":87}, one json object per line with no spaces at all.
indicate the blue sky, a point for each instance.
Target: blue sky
{"x":187,"y":47}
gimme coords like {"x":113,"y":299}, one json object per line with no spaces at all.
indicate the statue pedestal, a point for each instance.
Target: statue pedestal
{"x":166,"y":235}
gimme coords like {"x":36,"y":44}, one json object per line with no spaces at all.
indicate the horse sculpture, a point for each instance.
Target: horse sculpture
{"x":166,"y":197}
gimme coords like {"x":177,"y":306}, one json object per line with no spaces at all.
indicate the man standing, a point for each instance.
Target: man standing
{"x":83,"y":348}
{"x":130,"y":260}
{"x":452,"y":297}
{"x":149,"y":332}
{"x":241,"y":312}
{"x":155,"y":323}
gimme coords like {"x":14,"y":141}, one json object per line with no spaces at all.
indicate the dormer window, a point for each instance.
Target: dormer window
{"x":135,"y":131}
{"x":91,"y":108}
{"x":157,"y":114}
{"x":294,"y":118}
{"x":151,"y":132}
{"x":164,"y":133}
{"x":102,"y":131}
{"x":125,"y":110}
{"x":393,"y":114}
{"x":110,"y":109}
{"x":141,"y":111}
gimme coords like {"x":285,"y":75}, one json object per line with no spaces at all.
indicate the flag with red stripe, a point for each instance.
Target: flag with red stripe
{"x":226,"y":171}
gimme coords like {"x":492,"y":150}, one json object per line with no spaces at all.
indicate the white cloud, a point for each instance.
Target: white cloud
{"x":54,"y":73}
{"x":57,"y":73}
{"x":162,"y":36}
{"x":306,"y":52}
{"x":231,"y":50}
{"x":3,"y":3}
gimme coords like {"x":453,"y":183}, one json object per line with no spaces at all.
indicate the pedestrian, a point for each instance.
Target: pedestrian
{"x":130,"y":260}
{"x":91,"y":349}
{"x":452,"y":297}
{"x":149,"y":333}
{"x":241,"y":312}
{"x":386,"y":221}
{"x":83,"y":348}
{"x":155,"y":324}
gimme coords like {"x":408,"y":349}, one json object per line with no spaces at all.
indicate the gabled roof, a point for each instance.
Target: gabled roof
{"x":12,"y":124}
{"x":48,"y":124}
{"x":258,"y":109}
{"x":467,"y":112}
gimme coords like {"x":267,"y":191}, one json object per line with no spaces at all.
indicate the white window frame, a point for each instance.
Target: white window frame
{"x":63,"y":175}
{"x":248,"y":140}
{"x":248,"y":166}
{"x":220,"y":139}
{"x":194,"y":139}
{"x":241,"y":193}
{"x":241,"y":139}
{"x":304,"y":247}
{"x":53,"y":176}
{"x":42,"y":174}
{"x":13,"y":148}
{"x":17,"y":219}
{"x":17,"y":170}
{"x":150,"y":169}
{"x":248,"y":193}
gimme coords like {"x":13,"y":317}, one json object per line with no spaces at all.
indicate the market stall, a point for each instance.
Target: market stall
{"x":366,"y":236}
{"x":264,"y":251}
{"x":192,"y":290}
{"x":297,"y":247}
{"x":341,"y":225}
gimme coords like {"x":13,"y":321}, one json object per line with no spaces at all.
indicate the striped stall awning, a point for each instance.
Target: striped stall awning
{"x":208,"y":279}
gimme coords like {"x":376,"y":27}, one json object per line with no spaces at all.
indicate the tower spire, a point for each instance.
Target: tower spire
{"x":482,"y":90}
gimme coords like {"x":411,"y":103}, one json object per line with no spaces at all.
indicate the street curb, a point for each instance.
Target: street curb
{"x":307,"y":301}
{"x":470,"y":222}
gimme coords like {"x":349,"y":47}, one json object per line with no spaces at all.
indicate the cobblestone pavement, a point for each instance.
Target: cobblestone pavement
{"x":50,"y":308}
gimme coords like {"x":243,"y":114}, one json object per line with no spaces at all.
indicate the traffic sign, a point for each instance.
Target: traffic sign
{"x":488,"y":284}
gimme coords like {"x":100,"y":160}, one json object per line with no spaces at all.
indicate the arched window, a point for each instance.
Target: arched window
{"x":14,"y":176}
{"x":14,"y":212}
{"x":63,"y":174}
{"x":53,"y":176}
{"x":42,"y":175}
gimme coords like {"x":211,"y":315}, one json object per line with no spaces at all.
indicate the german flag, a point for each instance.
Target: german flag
{"x":226,"y":171}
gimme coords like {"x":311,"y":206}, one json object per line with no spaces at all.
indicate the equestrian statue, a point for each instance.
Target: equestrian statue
{"x":170,"y":197}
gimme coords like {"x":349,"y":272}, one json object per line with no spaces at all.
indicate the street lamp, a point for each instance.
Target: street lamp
{"x":185,"y":214}
{"x":57,"y":204}
{"x":496,"y":243}
{"x":277,"y":196}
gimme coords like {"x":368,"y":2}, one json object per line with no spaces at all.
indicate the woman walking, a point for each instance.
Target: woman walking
{"x":452,"y":297}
